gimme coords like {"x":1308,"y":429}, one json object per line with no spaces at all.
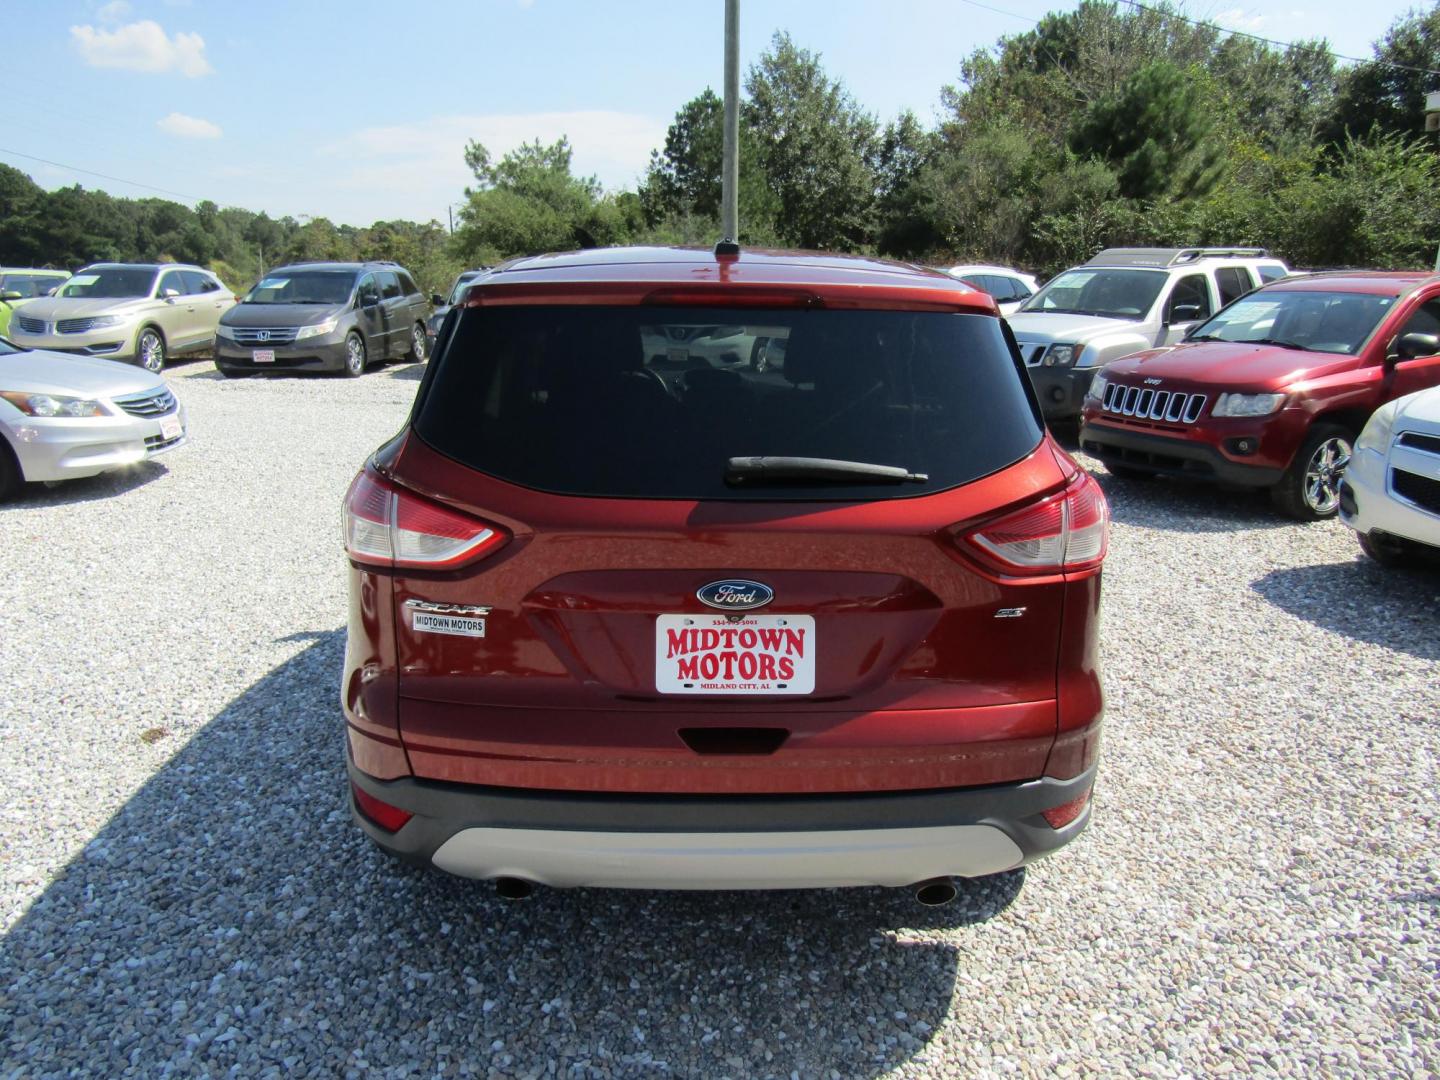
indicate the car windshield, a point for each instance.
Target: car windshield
{"x":30,"y":286}
{"x":110,"y":282}
{"x":303,"y":287}
{"x":459,"y":290}
{"x":1333,"y":322}
{"x":8,"y":347}
{"x":1114,"y":294}
{"x":640,"y":403}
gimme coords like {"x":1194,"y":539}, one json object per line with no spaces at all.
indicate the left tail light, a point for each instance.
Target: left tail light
{"x":390,"y":818}
{"x":1066,"y":532}
{"x":388,"y":526}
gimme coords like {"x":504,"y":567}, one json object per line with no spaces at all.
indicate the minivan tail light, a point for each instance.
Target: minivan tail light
{"x":387,"y":526}
{"x":1064,"y":532}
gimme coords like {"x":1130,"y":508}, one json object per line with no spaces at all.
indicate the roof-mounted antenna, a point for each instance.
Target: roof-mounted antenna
{"x":730,"y":168}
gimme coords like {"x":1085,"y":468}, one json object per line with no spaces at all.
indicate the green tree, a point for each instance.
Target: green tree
{"x":816,"y":147}
{"x":1391,"y":99}
{"x":1155,"y":130}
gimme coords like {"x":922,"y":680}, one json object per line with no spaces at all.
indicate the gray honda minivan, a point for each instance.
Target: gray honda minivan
{"x":324,"y":316}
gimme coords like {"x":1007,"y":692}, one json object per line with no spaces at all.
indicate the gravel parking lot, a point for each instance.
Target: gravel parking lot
{"x":184,"y":893}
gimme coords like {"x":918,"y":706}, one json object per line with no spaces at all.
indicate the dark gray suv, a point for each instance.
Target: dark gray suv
{"x":324,"y":316}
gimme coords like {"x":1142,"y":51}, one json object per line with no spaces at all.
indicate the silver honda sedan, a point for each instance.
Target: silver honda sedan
{"x":64,"y":416}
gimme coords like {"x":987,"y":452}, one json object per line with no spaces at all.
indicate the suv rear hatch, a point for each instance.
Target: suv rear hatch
{"x":597,"y":445}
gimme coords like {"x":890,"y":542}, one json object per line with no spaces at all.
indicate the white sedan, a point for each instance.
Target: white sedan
{"x":1390,"y":494}
{"x":1009,"y":288}
{"x":63,"y":416}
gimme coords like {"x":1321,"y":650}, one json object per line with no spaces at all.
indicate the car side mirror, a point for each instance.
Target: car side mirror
{"x":169,"y":294}
{"x":9,"y":295}
{"x":1409,"y":346}
{"x":1184,"y":313}
{"x":369,"y":299}
{"x":436,"y":300}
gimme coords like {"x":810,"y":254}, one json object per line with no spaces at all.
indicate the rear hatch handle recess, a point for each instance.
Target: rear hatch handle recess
{"x":785,"y":470}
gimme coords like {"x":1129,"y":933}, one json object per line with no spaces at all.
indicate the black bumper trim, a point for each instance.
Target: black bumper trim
{"x":443,"y":809}
{"x":1061,"y":390}
{"x":1172,"y":457}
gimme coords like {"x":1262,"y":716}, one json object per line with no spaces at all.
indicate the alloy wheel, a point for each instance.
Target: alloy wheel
{"x":1322,"y":475}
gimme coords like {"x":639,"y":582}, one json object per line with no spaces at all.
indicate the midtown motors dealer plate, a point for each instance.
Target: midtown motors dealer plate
{"x":751,"y":654}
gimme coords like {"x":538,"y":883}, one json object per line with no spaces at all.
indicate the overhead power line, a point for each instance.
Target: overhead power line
{"x":102,"y":176}
{"x":1271,"y":41}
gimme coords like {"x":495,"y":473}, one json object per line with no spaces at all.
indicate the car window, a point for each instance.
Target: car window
{"x":1271,"y":273}
{"x":368,"y":291}
{"x":1333,"y":322}
{"x":1234,"y":282}
{"x":639,"y":403}
{"x":172,"y":279}
{"x":287,"y":286}
{"x":389,"y":285}
{"x":1424,"y":320}
{"x":407,"y":284}
{"x":1116,"y":294}
{"x":109,"y":282}
{"x":197,"y":282}
{"x":461,"y":284}
{"x":997,"y":286}
{"x":29,"y":286}
{"x":1190,"y":292}
{"x":1020,"y":289}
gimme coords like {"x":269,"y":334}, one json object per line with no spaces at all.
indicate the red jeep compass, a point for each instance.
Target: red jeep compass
{"x":627,"y":609}
{"x":1271,"y":392}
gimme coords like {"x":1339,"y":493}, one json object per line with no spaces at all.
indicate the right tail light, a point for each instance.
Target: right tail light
{"x":1065,"y":532}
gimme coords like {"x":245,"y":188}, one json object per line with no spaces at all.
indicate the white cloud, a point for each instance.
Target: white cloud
{"x":1270,"y":22}
{"x":114,"y":11}
{"x":188,"y":127}
{"x":416,"y":170}
{"x":142,"y":46}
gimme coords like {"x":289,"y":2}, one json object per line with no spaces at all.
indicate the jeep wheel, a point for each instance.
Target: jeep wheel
{"x":1310,"y":488}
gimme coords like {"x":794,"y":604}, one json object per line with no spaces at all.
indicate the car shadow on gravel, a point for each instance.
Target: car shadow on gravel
{"x":1362,"y":600}
{"x":1186,"y":506}
{"x":230,"y":916}
{"x":87,"y":489}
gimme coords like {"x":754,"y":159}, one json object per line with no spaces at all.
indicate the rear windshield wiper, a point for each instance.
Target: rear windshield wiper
{"x":785,"y":470}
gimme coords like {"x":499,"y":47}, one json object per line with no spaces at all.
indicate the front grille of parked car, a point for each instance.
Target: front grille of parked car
{"x":1430,"y":444}
{"x":29,"y":325}
{"x":1420,"y":490}
{"x":1143,"y":403}
{"x":150,"y":403}
{"x":159,"y":442}
{"x":263,"y":335}
{"x":74,"y":326}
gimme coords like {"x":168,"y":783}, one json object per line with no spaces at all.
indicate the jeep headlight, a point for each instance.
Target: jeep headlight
{"x":1097,"y":387}
{"x":319,"y":329}
{"x":1247,"y":404}
{"x":53,"y":404}
{"x":1060,"y":355}
{"x":1378,"y":430}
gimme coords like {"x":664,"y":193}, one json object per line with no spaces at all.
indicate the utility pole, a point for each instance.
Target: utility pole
{"x":730,"y":170}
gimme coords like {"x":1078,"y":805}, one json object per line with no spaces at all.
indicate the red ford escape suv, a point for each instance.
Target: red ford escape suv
{"x":1271,"y":392}
{"x":625,"y":611}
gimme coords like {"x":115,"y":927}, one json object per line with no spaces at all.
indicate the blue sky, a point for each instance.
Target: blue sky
{"x":359,"y":110}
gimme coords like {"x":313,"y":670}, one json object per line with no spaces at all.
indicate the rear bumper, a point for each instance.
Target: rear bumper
{"x":723,"y":842}
{"x":1172,"y":457}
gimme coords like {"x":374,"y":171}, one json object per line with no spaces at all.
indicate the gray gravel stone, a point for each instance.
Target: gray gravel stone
{"x":183,"y":892}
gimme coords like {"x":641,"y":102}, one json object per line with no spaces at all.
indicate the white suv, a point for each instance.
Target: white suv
{"x":1390,"y":494}
{"x":1124,"y":300}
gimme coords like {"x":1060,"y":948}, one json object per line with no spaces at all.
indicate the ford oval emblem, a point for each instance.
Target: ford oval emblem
{"x":735,"y":595}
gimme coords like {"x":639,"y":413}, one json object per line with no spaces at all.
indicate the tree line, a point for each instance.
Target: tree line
{"x":1108,"y":125}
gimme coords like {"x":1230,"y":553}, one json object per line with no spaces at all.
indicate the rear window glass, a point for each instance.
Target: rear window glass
{"x":651,"y":402}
